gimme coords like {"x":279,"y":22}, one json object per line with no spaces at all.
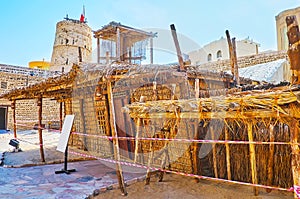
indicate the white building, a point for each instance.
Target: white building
{"x":218,"y":50}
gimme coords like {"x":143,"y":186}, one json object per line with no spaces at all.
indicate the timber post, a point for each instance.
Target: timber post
{"x":197,"y":89}
{"x":13,"y":107}
{"x":82,"y":120}
{"x":227,"y":154}
{"x":60,"y":116}
{"x":40,"y":128}
{"x":150,"y":159}
{"x":252,"y":157}
{"x":295,"y":156}
{"x":114,"y":133}
{"x":212,"y":133}
{"x":118,"y":45}
{"x":236,"y":68}
{"x":136,"y":149}
{"x":98,"y":50}
{"x":179,"y":55}
{"x":151,"y":50}
{"x":233,"y":57}
{"x":271,"y":158}
{"x":230,"y":51}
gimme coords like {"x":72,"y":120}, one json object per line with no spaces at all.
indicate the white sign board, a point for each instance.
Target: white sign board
{"x":65,"y":133}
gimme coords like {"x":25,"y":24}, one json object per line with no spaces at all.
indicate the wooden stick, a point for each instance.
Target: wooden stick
{"x":271,"y":158}
{"x":13,"y":106}
{"x":231,"y":56}
{"x":252,"y":158}
{"x":150,"y":158}
{"x":235,"y":63}
{"x":179,"y":55}
{"x":118,"y":48}
{"x":214,"y":152}
{"x":173,"y":91}
{"x":197,"y":91}
{"x":227,"y":154}
{"x":107,"y":57}
{"x":98,"y":50}
{"x":154,"y":91}
{"x":82,"y":120}
{"x":295,"y":154}
{"x":40,"y":130}
{"x":151,"y":50}
{"x":114,"y":133}
{"x":136,"y":150}
{"x":195,"y":148}
{"x":60,"y":116}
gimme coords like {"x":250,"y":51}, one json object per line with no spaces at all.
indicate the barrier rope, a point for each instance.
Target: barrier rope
{"x":184,"y":140}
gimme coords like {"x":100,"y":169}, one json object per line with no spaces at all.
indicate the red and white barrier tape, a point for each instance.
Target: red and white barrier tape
{"x":30,"y":128}
{"x":183,"y":140}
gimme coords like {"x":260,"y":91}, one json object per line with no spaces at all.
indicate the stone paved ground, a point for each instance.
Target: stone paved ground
{"x":40,"y":182}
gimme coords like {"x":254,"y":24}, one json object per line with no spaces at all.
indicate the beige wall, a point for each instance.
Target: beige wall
{"x":243,"y":47}
{"x":281,"y":28}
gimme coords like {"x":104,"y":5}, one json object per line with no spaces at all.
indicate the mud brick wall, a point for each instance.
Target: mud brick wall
{"x":27,"y":114}
{"x":86,"y":122}
{"x":12,"y":77}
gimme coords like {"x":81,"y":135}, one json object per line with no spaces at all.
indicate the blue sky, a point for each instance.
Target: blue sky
{"x":28,"y":26}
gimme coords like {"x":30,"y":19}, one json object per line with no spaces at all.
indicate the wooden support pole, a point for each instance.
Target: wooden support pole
{"x":40,"y":130}
{"x":118,"y":48}
{"x":151,"y":50}
{"x":149,"y":163}
{"x":82,"y":120}
{"x":123,"y":48}
{"x":236,"y":68}
{"x":60,"y":116}
{"x":195,"y":147}
{"x":227,"y":154}
{"x":13,"y":107}
{"x":252,"y":158}
{"x":107,"y":57}
{"x":179,"y":55}
{"x":136,"y":150}
{"x":271,"y":158}
{"x":295,"y":156}
{"x":173,"y":91}
{"x":114,"y":133}
{"x":231,"y":56}
{"x":98,"y":50}
{"x":197,"y":90}
{"x":212,"y":133}
{"x":130,"y":55}
{"x":154,"y":91}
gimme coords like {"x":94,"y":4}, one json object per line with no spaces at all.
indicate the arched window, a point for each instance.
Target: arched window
{"x":209,"y":56}
{"x":219,"y":54}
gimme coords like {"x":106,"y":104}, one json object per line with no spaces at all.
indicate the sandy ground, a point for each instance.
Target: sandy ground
{"x":176,"y":186}
{"x":173,"y":186}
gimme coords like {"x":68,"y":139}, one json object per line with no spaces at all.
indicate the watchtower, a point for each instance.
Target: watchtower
{"x":72,"y":44}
